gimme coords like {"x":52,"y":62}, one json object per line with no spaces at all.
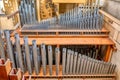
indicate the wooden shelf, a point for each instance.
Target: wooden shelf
{"x":63,"y":30}
{"x":68,"y":1}
{"x":5,"y":68}
{"x":64,"y":33}
{"x":40,"y":75}
{"x":69,"y":41}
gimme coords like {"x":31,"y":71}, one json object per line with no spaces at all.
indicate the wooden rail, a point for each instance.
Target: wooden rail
{"x":60,"y":76}
{"x":68,"y":41}
{"x":74,"y":41}
{"x":68,"y":1}
{"x":64,"y":33}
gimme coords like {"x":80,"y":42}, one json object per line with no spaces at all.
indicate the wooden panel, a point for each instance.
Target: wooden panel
{"x":15,"y":74}
{"x":63,"y":33}
{"x":112,"y":25}
{"x":69,"y":41}
{"x":56,"y":30}
{"x":69,"y":1}
{"x":5,"y":68}
{"x":112,"y":31}
{"x":71,"y":79}
{"x":110,"y":17}
{"x":89,"y":79}
{"x":64,"y":77}
{"x":108,"y":54}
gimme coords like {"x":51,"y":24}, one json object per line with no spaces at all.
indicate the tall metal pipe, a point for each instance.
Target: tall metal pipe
{"x":57,"y":60}
{"x":63,"y":61}
{"x":35,"y":57}
{"x":19,"y":53}
{"x":50,"y":59}
{"x":9,"y":48}
{"x":2,"y":51}
{"x":68,"y":62}
{"x":71,"y":61}
{"x":27,"y":52}
{"x":75,"y":63}
{"x":43,"y":53}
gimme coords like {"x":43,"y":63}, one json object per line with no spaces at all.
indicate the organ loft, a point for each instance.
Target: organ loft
{"x":59,"y":40}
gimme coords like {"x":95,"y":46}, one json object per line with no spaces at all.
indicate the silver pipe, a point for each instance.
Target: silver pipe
{"x":63,"y":60}
{"x":35,"y":57}
{"x":81,"y":65}
{"x":68,"y":62}
{"x":43,"y":53}
{"x":75,"y":62}
{"x":84,"y":65}
{"x":57,"y":60}
{"x":10,"y":48}
{"x":87,"y":67}
{"x":94,"y":68}
{"x":27,"y":52}
{"x":78,"y":64}
{"x":2,"y":51}
{"x":71,"y":61}
{"x":18,"y":49}
{"x":102,"y":68}
{"x":110,"y":69}
{"x":113,"y":69}
{"x":50,"y":58}
{"x":90,"y":66}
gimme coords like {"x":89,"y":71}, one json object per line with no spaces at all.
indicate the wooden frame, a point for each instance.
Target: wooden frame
{"x":15,"y":74}
{"x":60,"y":76}
{"x":64,"y":33}
{"x":74,"y":41}
{"x":5,"y":68}
{"x":68,"y":1}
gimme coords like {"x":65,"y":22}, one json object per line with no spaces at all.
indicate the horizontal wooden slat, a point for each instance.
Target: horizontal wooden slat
{"x":69,"y":41}
{"x":63,"y":30}
{"x":69,"y":1}
{"x":41,"y":76}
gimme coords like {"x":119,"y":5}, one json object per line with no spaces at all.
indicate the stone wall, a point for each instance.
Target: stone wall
{"x":112,"y":7}
{"x":114,"y":28}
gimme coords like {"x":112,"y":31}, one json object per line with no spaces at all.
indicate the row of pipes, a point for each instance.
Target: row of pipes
{"x":32,"y":58}
{"x":83,"y":17}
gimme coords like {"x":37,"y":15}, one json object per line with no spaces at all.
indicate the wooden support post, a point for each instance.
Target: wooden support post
{"x":5,"y":68}
{"x":38,"y":9}
{"x":15,"y":74}
{"x":108,"y":53}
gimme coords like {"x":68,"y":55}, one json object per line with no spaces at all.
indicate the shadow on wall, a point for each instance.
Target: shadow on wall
{"x":112,"y":7}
